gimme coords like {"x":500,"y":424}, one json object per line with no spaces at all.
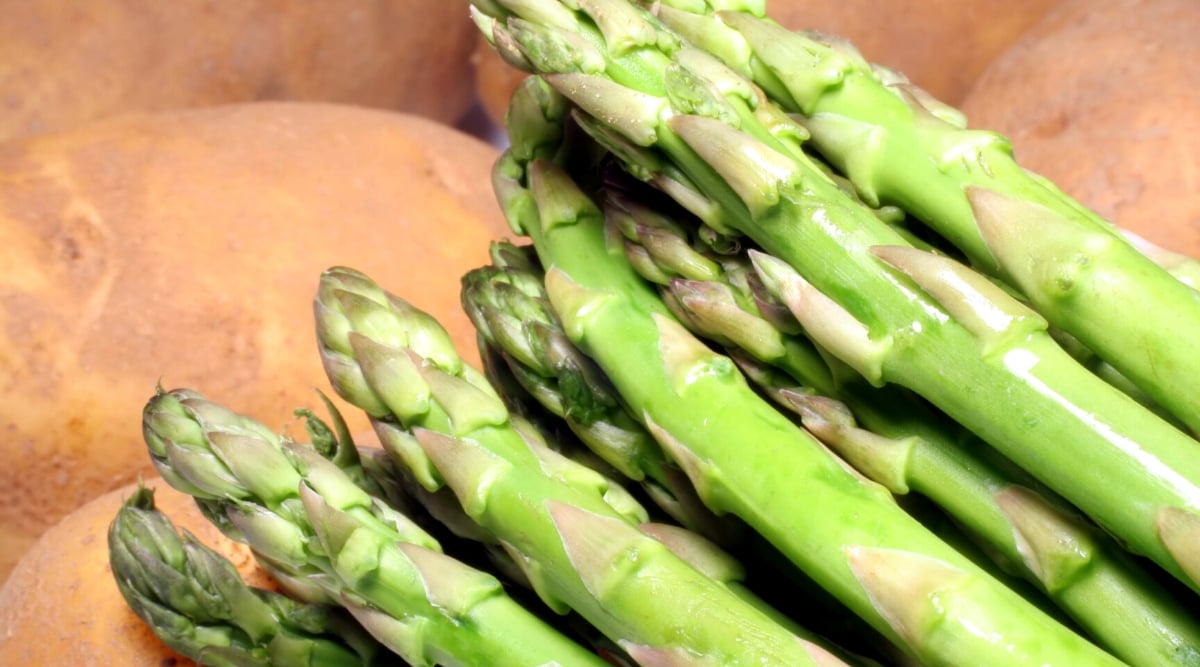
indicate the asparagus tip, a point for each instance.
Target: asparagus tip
{"x":466,"y":467}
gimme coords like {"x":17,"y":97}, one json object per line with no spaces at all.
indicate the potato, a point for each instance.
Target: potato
{"x":187,"y":247}
{"x":61,"y":605}
{"x":64,"y":62}
{"x":942,"y":45}
{"x":1103,"y":97}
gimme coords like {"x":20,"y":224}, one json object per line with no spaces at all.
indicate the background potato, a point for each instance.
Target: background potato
{"x":1103,"y":97}
{"x":64,"y":62}
{"x":62,"y":607}
{"x":187,"y":246}
{"x":942,"y":45}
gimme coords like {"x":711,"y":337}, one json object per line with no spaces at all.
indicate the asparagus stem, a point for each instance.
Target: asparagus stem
{"x":509,"y":309}
{"x":903,"y":322}
{"x":573,"y":532}
{"x":746,"y":458}
{"x":899,"y":146}
{"x":307,"y":518}
{"x":908,"y":448}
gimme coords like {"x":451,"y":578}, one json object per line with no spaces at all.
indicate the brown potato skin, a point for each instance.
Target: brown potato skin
{"x":186,"y":248}
{"x":1103,"y":97}
{"x":62,"y":607}
{"x":63,"y":62}
{"x":941,"y":45}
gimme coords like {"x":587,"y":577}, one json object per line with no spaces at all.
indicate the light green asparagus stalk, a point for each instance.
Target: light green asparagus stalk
{"x":1021,"y":526}
{"x":508,"y":307}
{"x":573,"y":531}
{"x":907,"y":448}
{"x":1184,"y":267}
{"x":746,"y":458}
{"x":803,"y":597}
{"x":305,"y":517}
{"x":681,"y":119}
{"x":194,"y":600}
{"x":899,"y":146}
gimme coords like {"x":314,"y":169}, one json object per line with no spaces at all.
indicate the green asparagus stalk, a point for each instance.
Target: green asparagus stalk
{"x":306,"y":517}
{"x":905,"y":447}
{"x":1185,"y":268}
{"x":746,"y":458}
{"x":508,"y":307}
{"x":573,"y":531}
{"x":681,"y":119}
{"x":194,"y":600}
{"x":899,"y":146}
{"x":1020,"y":525}
{"x":807,"y":603}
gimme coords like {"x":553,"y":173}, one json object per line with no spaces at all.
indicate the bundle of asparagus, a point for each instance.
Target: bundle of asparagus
{"x":776,"y":292}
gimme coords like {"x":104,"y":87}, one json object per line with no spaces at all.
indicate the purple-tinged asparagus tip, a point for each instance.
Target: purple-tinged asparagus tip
{"x":696,"y":551}
{"x":450,"y":585}
{"x":406,"y":637}
{"x":820,"y":655}
{"x":601,"y":549}
{"x":1049,"y":267}
{"x":701,"y":474}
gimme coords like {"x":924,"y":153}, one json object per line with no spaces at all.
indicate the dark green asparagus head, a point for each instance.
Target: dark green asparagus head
{"x":195,"y":601}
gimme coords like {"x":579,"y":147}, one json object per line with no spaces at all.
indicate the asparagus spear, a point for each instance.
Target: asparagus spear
{"x":899,"y":146}
{"x":508,"y":306}
{"x":695,"y":128}
{"x":746,"y":458}
{"x":807,"y":603}
{"x":196,"y":603}
{"x":573,"y":531}
{"x":305,"y":517}
{"x":908,"y":448}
